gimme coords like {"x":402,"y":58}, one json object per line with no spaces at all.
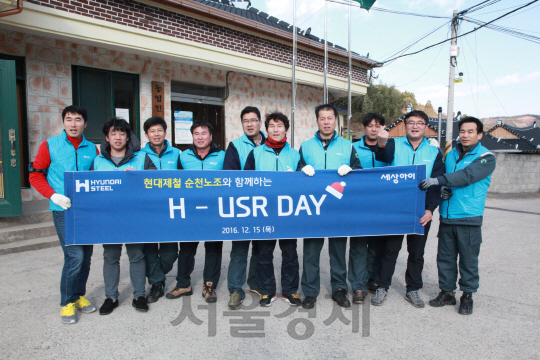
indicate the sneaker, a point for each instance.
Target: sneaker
{"x":140,"y":304}
{"x":235,"y":301}
{"x":466,"y":304}
{"x":108,"y":306}
{"x":292,"y":299}
{"x":309,"y":302}
{"x":179,"y":292}
{"x":68,"y":314}
{"x":414,"y":298}
{"x":358,"y":297}
{"x":340,"y":297}
{"x":267,"y":300}
{"x":372,"y":288}
{"x":208,"y":292}
{"x":84,"y":305}
{"x":156,"y":292}
{"x":444,"y":298}
{"x":256,"y":291}
{"x":380,"y":296}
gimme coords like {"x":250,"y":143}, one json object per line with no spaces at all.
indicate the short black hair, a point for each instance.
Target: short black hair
{"x":249,"y":109}
{"x":326,"y":107}
{"x":470,"y":119}
{"x":117,"y":124}
{"x":276,"y":116}
{"x":75,"y":110}
{"x":373,"y":116}
{"x":417,"y":113}
{"x":154,"y":120}
{"x":201,"y":123}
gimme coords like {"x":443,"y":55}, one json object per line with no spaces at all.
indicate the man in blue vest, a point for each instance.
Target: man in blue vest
{"x":69,"y":151}
{"x":366,"y":148}
{"x":276,"y":155}
{"x":160,"y":257}
{"x":326,"y":150}
{"x":203,"y":154}
{"x":414,"y":148}
{"x":465,"y":185}
{"x":118,"y":154}
{"x":235,"y":159}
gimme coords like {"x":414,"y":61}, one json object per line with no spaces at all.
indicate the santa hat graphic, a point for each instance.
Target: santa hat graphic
{"x":336,"y":189}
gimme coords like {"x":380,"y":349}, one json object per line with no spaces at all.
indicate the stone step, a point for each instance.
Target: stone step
{"x":17,"y":233}
{"x":33,"y":218}
{"x":29,"y":245}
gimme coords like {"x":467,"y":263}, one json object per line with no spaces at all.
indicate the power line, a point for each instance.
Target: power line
{"x":389,"y":11}
{"x":506,"y":30}
{"x":467,"y":33}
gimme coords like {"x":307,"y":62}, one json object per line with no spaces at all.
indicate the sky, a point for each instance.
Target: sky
{"x":501,"y":72}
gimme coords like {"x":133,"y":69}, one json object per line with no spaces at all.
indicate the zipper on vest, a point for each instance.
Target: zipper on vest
{"x":277,"y":157}
{"x":373,"y":158}
{"x":325,"y":158}
{"x":76,"y":159}
{"x":448,"y":205}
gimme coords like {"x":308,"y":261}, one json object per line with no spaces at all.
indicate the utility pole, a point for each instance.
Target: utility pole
{"x":439,"y":130}
{"x":454,"y":52}
{"x":349,"y":115}
{"x":293,"y":97}
{"x":325,"y":101}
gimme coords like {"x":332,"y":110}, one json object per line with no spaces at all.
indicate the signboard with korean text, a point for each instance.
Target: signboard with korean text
{"x":182,"y":125}
{"x":191,"y":205}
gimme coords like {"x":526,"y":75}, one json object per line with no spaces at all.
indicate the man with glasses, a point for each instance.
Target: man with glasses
{"x":235,"y":159}
{"x":412,"y":149}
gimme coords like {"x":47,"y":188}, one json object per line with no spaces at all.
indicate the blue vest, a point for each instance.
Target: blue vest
{"x":137,"y":162}
{"x":64,"y":157}
{"x":338,"y":153}
{"x":267,"y":160}
{"x":406,"y":155}
{"x":213,"y":161}
{"x":244,"y":146}
{"x":367,"y":157}
{"x":466,"y":201}
{"x":168,"y":161}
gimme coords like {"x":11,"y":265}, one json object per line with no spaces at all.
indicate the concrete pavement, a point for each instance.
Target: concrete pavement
{"x":505,"y":322}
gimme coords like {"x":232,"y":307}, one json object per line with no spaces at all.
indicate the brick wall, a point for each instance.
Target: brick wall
{"x":145,"y":17}
{"x":516,"y":173}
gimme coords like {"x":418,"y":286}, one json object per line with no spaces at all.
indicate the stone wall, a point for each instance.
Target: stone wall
{"x":516,"y":173}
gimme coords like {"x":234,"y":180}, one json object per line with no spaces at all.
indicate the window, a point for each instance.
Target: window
{"x":102,"y":93}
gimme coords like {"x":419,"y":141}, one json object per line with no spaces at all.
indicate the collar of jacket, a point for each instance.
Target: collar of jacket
{"x":461,"y":152}
{"x":65,"y":136}
{"x":166,"y":147}
{"x":213,"y":148}
{"x":248,"y":139}
{"x":327,"y":141}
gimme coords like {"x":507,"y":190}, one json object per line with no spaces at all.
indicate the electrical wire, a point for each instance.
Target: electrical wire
{"x":505,"y":30}
{"x":388,"y":10}
{"x":487,"y":80}
{"x":458,"y":36}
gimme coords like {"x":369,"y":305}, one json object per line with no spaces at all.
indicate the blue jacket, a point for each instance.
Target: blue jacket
{"x":468,"y":174}
{"x":367,"y":157}
{"x":338,"y":152}
{"x":167,"y":159}
{"x":190,"y":159}
{"x":238,"y":151}
{"x":64,"y":157}
{"x":264,"y":158}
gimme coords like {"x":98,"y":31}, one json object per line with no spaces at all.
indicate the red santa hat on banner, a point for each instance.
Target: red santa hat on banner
{"x":336,"y":189}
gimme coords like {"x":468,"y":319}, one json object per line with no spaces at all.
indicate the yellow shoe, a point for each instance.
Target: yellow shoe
{"x":68,"y":314}
{"x":84,"y":305}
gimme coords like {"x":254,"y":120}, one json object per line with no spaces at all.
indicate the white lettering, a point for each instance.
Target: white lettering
{"x":280,"y":206}
{"x":260,"y":207}
{"x":180,"y":207}
{"x":302,"y":205}
{"x":231,"y":208}
{"x":317,"y":204}
{"x":246,"y":208}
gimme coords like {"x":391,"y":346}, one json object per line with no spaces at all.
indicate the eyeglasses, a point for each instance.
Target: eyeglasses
{"x":416,"y":123}
{"x":250,"y":121}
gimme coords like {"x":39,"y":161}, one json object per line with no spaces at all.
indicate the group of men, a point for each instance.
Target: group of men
{"x":462,"y":184}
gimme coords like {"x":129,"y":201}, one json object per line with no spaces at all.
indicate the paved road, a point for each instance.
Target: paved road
{"x":505,"y":322}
